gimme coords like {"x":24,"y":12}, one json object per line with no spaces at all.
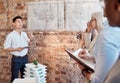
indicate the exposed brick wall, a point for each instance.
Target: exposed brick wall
{"x":47,"y":47}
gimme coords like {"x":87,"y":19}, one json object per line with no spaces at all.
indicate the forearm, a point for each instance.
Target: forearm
{"x":14,"y":49}
{"x":10,"y":49}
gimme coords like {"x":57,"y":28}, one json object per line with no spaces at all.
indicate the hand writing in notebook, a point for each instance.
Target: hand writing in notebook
{"x":84,"y":54}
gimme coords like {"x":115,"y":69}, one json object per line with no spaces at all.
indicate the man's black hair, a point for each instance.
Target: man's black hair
{"x":17,"y":17}
{"x":118,"y":1}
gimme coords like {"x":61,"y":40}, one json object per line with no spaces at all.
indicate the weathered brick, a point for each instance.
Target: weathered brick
{"x":48,"y":46}
{"x":2,"y":7}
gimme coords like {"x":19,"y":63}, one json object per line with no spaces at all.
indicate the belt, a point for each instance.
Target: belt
{"x":19,"y":56}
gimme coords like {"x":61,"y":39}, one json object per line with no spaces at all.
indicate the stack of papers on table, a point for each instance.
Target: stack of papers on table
{"x":37,"y":71}
{"x":25,"y":80}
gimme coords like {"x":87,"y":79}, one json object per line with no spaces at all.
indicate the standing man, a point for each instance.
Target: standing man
{"x":17,"y":43}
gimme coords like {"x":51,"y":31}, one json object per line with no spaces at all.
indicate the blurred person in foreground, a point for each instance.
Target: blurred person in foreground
{"x":107,"y":47}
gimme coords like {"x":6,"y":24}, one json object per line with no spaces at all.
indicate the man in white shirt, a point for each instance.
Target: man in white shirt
{"x":17,"y":43}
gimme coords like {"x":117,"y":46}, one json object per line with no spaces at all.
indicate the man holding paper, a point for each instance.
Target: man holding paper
{"x":17,"y":43}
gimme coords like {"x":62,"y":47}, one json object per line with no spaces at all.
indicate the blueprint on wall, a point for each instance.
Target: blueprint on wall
{"x":60,"y":15}
{"x":45,"y":15}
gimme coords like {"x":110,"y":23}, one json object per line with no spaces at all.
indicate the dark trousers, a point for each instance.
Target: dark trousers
{"x":18,"y":64}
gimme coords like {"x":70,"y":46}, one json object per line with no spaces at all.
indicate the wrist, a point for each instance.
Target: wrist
{"x":14,"y":49}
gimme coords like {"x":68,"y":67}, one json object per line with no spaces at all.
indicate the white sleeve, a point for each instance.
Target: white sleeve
{"x":26,"y":37}
{"x":8,"y":42}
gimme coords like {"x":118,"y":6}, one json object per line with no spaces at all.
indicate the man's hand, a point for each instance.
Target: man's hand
{"x":31,"y":36}
{"x":19,"y":49}
{"x":86,"y":73}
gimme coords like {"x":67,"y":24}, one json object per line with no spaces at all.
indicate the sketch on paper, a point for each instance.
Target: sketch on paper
{"x":45,"y":15}
{"x":57,"y":15}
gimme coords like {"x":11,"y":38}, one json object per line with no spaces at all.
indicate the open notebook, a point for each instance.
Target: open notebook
{"x":87,"y":64}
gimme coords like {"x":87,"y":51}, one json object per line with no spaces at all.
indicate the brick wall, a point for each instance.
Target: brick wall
{"x":48,"y":47}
